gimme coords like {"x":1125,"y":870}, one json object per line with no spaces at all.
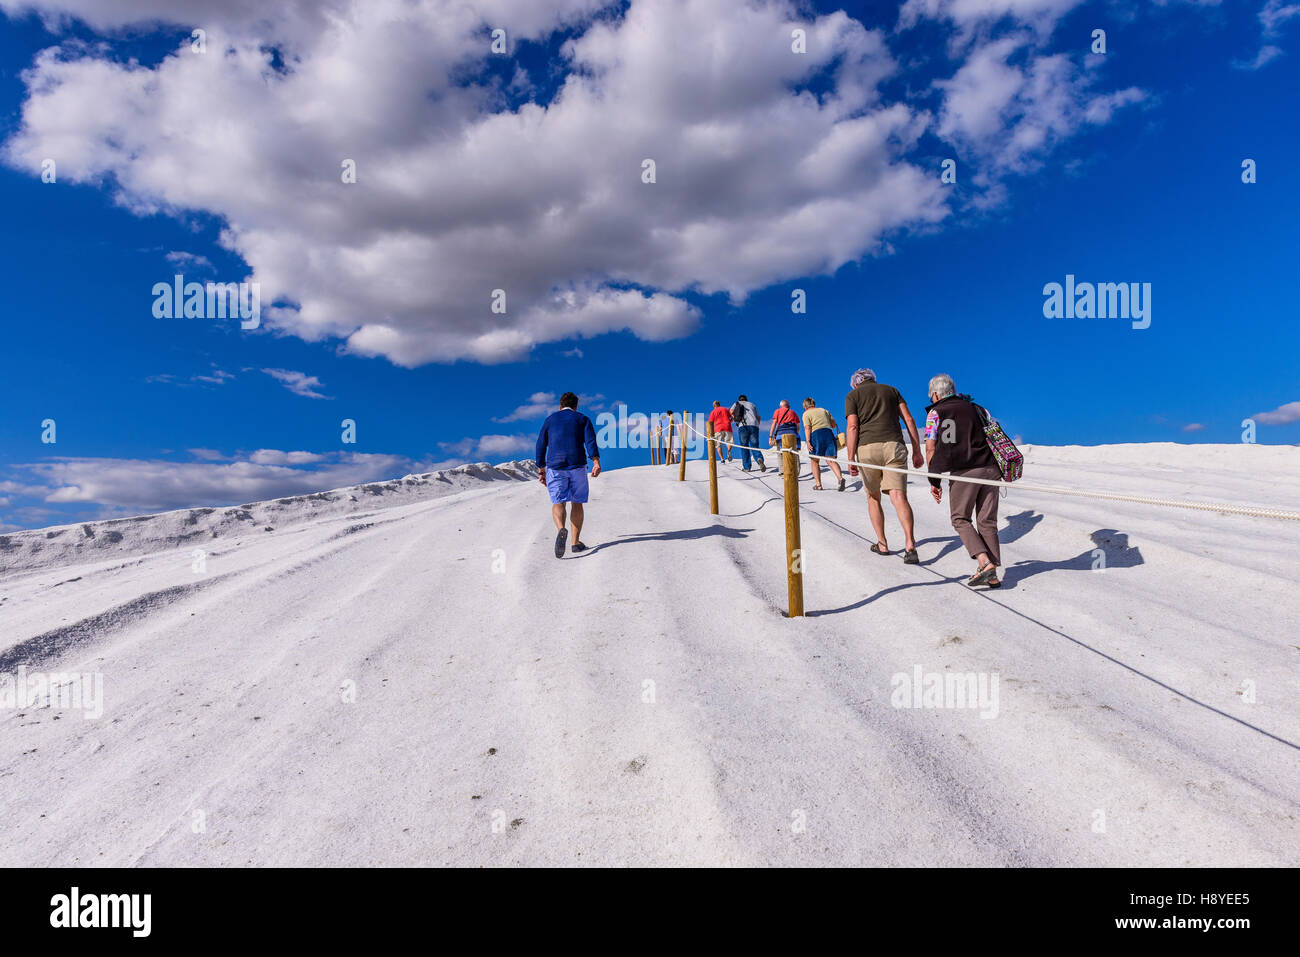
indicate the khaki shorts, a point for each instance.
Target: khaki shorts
{"x":892,"y":454}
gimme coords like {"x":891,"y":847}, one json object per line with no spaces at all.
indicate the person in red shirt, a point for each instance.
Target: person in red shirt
{"x":784,"y":422}
{"x":721,"y":419}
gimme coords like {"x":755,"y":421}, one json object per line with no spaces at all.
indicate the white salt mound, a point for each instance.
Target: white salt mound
{"x":408,"y":676}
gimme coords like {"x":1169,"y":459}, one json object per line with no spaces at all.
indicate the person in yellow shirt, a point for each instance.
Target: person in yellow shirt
{"x":819,"y":425}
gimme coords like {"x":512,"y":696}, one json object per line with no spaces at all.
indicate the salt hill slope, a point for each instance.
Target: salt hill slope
{"x":428,"y":685}
{"x":199,"y":527}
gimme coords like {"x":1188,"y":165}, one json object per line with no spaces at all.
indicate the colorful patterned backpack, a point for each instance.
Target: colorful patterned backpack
{"x":1011,"y":462}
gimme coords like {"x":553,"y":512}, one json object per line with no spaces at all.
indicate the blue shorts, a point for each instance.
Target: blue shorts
{"x":823,"y":442}
{"x":567,"y":485}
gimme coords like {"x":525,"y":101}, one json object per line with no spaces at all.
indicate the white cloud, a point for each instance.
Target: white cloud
{"x":1267,"y":54}
{"x":1282,"y":415}
{"x":1272,"y":16}
{"x":214,"y":376}
{"x":971,"y":15}
{"x":184,"y":260}
{"x":539,"y":404}
{"x":490,"y":446}
{"x":1010,"y":115}
{"x":276,"y":457}
{"x":1275,"y":13}
{"x":114,"y":487}
{"x":542,"y":404}
{"x":1194,"y":427}
{"x":299,"y":383}
{"x":155,"y":485}
{"x":757,"y":182}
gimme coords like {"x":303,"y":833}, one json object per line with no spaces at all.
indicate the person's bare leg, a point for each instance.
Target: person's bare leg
{"x":575,"y":520}
{"x":877,"y":515}
{"x":835,"y":470}
{"x":817,"y":473}
{"x":557,"y":516}
{"x":904,"y":509}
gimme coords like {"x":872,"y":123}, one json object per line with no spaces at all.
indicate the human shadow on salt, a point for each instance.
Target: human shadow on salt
{"x":1110,"y":550}
{"x":1019,"y":525}
{"x":678,"y":535}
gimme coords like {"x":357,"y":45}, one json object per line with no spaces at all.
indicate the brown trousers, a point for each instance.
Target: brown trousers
{"x":967,"y":497}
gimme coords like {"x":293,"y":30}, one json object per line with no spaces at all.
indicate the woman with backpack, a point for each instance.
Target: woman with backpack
{"x":956,"y":443}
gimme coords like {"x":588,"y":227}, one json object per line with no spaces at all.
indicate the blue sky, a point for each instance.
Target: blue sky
{"x":1124,"y":167}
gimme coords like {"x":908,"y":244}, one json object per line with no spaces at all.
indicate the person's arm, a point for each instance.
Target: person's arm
{"x":593,"y":450}
{"x":851,"y":442}
{"x":906,"y":413}
{"x":936,"y":488}
{"x":543,"y":439}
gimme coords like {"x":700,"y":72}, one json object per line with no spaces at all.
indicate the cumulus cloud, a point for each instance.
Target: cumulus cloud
{"x":156,"y":485}
{"x":542,"y":404}
{"x":184,"y":260}
{"x":757,"y":182}
{"x":1011,"y":114}
{"x":489,"y":446}
{"x":1274,"y":13}
{"x":758,"y":179}
{"x":214,"y":376}
{"x":970,"y":15}
{"x":539,"y":404}
{"x":299,"y":383}
{"x":108,"y":487}
{"x":277,"y":457}
{"x":1282,"y":415}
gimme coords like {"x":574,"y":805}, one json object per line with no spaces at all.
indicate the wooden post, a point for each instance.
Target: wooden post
{"x":713,"y":470}
{"x":681,"y":476}
{"x":793,"y":551}
{"x":654,"y":445}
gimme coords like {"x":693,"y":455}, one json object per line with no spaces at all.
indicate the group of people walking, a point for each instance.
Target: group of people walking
{"x":875,"y":415}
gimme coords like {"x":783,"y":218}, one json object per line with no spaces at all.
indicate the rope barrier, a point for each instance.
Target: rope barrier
{"x":1226,"y":508}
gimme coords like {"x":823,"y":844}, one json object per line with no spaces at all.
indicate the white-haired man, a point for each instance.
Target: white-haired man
{"x":872,"y":410}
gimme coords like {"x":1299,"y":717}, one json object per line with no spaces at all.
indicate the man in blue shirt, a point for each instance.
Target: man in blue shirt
{"x":565,"y":443}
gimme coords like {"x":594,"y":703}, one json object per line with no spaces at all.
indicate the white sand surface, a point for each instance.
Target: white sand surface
{"x":648,"y":702}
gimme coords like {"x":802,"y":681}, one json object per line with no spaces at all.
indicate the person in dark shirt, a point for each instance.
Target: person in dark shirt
{"x":956,"y":443}
{"x":872,"y":410}
{"x":565,"y":443}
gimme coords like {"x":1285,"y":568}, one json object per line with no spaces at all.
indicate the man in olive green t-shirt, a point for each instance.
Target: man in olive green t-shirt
{"x":872,"y":410}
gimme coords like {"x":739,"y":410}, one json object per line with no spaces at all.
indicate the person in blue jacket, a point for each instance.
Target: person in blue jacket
{"x":565,"y":443}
